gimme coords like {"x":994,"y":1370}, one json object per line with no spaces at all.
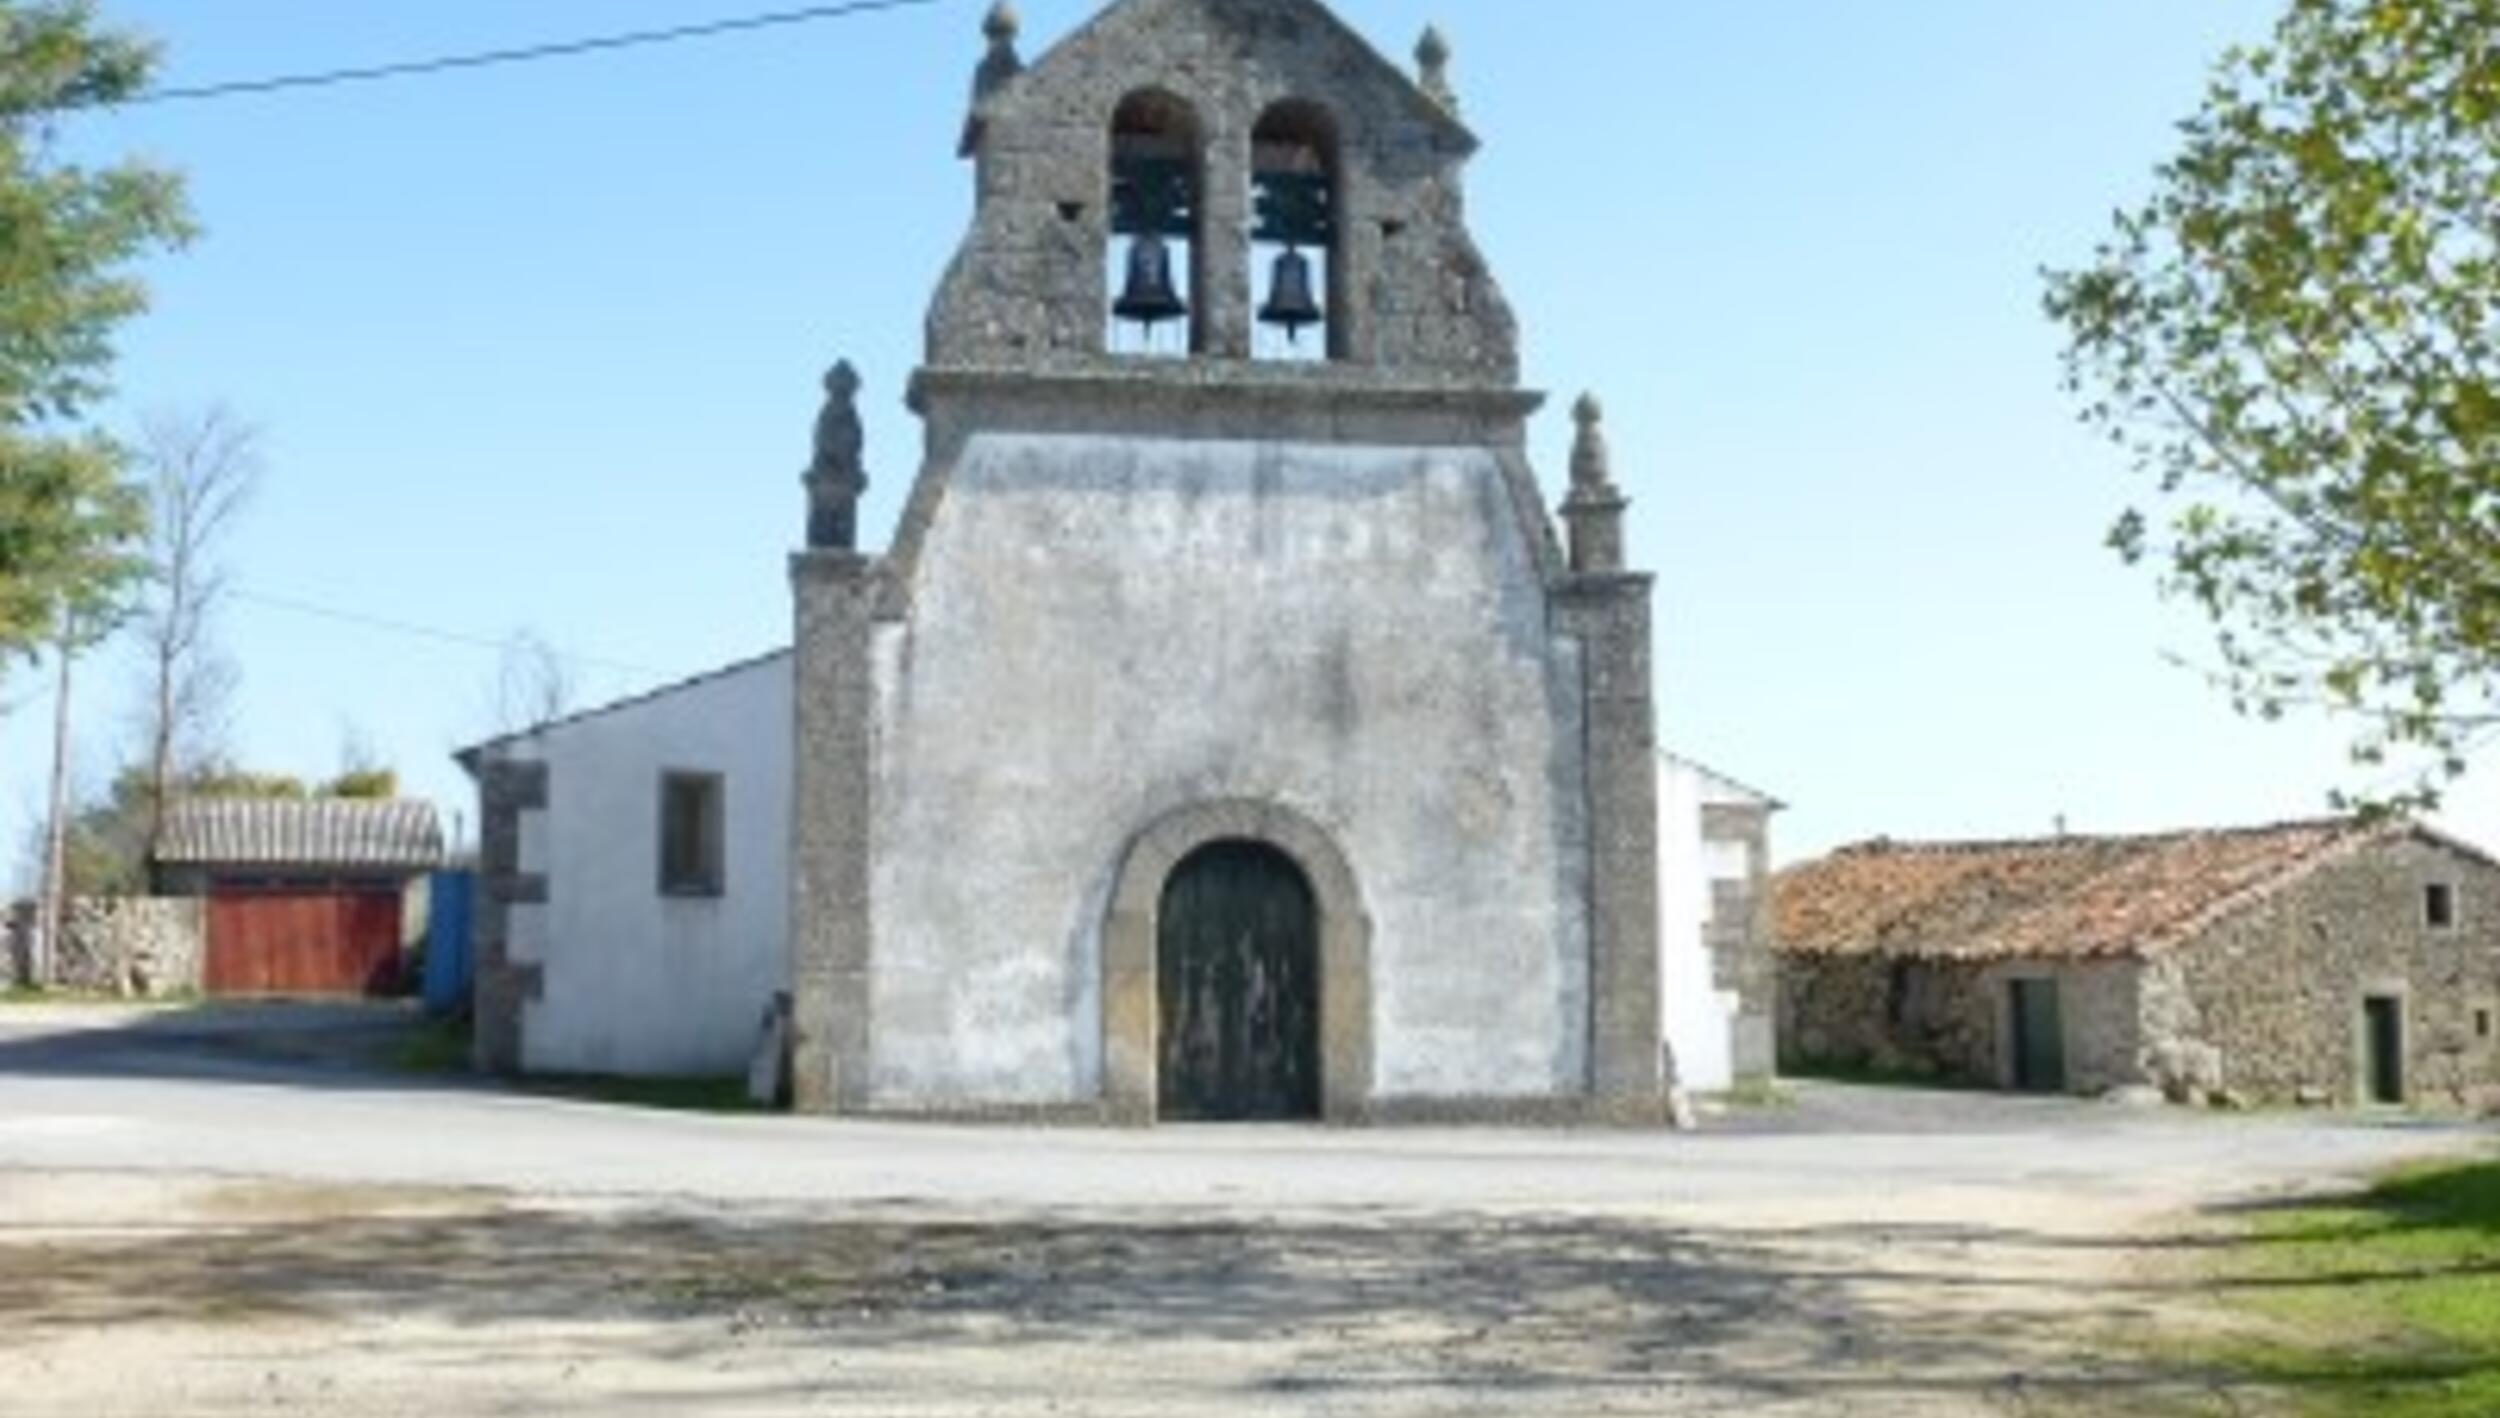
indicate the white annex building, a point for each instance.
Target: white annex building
{"x":1227,"y":732}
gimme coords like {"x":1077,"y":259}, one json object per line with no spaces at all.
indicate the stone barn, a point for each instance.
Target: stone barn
{"x":2335,"y":961}
{"x":1227,"y":731}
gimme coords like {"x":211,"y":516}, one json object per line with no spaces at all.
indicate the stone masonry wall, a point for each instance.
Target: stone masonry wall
{"x":1738,"y":935}
{"x":2269,"y":1005}
{"x":144,"y":946}
{"x":1948,"y":1019}
{"x":1412,"y":292}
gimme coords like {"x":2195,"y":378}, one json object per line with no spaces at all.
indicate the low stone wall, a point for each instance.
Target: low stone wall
{"x":142,"y":946}
{"x":1885,"y":1016}
{"x":1947,"y":1019}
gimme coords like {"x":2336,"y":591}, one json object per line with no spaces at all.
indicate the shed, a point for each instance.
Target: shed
{"x":2338,"y":960}
{"x":304,"y":896}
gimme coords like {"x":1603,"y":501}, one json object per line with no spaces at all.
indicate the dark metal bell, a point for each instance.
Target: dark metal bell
{"x":1290,"y":302}
{"x":1149,"y":297}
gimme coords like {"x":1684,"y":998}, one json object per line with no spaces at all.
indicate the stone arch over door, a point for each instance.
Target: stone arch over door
{"x":1131,"y":1006}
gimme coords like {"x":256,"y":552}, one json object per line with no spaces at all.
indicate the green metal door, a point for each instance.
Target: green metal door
{"x":1237,"y":973}
{"x":2385,"y":1016}
{"x":2039,"y":1038}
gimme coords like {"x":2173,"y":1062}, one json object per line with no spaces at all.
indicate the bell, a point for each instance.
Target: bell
{"x":1149,"y":297}
{"x":1289,"y":299}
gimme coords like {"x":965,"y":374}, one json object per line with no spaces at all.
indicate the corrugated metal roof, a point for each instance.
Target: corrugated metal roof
{"x":299,"y":832}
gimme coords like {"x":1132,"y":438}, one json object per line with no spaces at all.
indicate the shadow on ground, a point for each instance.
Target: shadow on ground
{"x":348,"y":1046}
{"x":1831,"y":1315}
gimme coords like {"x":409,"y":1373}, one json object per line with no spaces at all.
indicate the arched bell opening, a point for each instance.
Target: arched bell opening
{"x":1153,"y":266}
{"x":1297,"y":274}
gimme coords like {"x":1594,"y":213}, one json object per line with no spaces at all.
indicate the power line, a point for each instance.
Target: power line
{"x":430,"y":632}
{"x":525,"y":54}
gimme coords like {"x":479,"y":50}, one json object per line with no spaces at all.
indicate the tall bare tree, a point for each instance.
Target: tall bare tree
{"x":201,"y":469}
{"x":534,"y":684}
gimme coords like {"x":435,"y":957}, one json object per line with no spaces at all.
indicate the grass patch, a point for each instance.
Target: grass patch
{"x":1880,"y":1076}
{"x":676,"y":1095}
{"x":28,"y":995}
{"x":2387,"y":1304}
{"x":443,"y":1046}
{"x":437,"y":1046}
{"x":1756,"y":1093}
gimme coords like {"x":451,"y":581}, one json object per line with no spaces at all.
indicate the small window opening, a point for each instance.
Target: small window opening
{"x":2439,"y":906}
{"x":2482,"y":1024}
{"x":1152,"y":265}
{"x":1295,"y":266}
{"x":690,"y":834}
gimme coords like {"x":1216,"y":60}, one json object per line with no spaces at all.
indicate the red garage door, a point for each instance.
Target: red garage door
{"x":302,"y":940}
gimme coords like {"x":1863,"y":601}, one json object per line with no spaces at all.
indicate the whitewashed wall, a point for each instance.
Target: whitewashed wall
{"x":1106,"y":630}
{"x":1700,"y":1019}
{"x":638,"y":983}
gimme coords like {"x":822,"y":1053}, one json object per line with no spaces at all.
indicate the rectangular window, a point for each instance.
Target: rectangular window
{"x":2482,"y":1024}
{"x":2439,"y":906}
{"x":690,"y":834}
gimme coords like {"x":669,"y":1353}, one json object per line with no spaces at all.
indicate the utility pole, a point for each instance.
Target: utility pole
{"x":56,"y":831}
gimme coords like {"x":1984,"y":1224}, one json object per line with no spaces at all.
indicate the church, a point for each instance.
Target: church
{"x":1227,"y":731}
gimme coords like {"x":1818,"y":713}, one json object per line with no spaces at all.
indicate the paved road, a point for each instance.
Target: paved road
{"x":186,"y":1091}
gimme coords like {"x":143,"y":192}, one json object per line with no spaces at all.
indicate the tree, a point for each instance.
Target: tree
{"x":533,"y":684}
{"x":362,"y":773}
{"x":68,"y":235}
{"x":2298,"y":337}
{"x":201,"y":469}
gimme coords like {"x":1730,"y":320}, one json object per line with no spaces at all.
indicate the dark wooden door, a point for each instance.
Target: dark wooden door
{"x":1237,"y":969}
{"x":2039,"y":1038}
{"x":2386,"y":1020}
{"x":303,"y":940}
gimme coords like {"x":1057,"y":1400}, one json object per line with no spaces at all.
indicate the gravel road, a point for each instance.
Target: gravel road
{"x":281,"y":1236}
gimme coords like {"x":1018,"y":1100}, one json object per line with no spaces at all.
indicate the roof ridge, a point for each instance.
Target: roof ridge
{"x":2133,"y":895}
{"x":1974,"y":846}
{"x":466,"y":757}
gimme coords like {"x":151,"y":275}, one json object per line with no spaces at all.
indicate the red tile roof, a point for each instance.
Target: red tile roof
{"x":2061,"y":897}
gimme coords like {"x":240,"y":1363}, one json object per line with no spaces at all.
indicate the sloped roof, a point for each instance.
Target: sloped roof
{"x":469,"y":757}
{"x":2061,"y":897}
{"x":1733,"y":787}
{"x":301,"y":832}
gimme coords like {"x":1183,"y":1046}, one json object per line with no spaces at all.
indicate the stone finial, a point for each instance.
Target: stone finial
{"x":1592,"y":464}
{"x":1595,"y":508}
{"x":838,"y":474}
{"x":1001,"y":63}
{"x":1432,"y":67}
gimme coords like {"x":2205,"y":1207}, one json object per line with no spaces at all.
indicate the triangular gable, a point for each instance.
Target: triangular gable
{"x":1125,"y":23}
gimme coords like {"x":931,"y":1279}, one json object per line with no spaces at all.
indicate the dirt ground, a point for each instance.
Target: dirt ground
{"x":197,"y":1229}
{"x":172,"y":1294}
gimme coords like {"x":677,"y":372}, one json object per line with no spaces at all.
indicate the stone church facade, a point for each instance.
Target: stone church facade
{"x":1227,"y":732}
{"x":1144,"y":606}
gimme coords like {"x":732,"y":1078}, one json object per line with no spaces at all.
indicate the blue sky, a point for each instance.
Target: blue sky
{"x":538,"y":348}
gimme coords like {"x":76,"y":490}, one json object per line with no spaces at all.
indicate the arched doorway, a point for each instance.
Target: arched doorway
{"x":1132,"y":996}
{"x":1237,"y":973}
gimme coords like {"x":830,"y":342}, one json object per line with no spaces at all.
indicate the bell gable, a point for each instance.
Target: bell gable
{"x":1300,"y":185}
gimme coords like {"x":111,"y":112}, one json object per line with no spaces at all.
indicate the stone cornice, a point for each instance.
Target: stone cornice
{"x":1227,"y":399}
